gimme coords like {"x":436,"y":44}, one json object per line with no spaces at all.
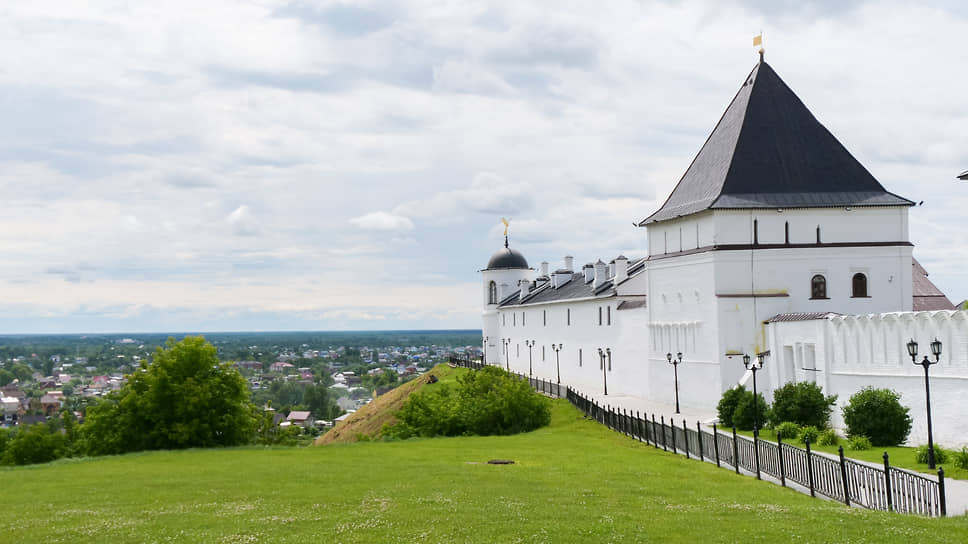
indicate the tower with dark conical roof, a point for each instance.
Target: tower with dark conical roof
{"x":772,"y":216}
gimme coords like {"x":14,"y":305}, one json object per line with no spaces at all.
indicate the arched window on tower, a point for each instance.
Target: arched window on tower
{"x":818,"y":287}
{"x":859,"y":286}
{"x":492,"y":293}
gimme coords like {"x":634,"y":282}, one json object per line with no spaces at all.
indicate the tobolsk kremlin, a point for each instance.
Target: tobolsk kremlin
{"x":777,"y":248}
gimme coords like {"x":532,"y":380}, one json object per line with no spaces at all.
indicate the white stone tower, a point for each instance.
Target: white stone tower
{"x":502,"y":278}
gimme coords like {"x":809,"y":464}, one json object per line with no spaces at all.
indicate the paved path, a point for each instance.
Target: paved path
{"x":956,"y":491}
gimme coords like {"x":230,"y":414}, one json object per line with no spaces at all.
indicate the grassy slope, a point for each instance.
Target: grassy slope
{"x":572,"y":482}
{"x":369,"y":420}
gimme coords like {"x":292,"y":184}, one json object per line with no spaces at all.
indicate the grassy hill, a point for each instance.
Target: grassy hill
{"x":368,"y":421}
{"x":573,"y":481}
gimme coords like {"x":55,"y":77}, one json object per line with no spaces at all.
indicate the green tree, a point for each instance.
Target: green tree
{"x":6,"y":376}
{"x":39,"y":443}
{"x":184,"y":398}
{"x":878,"y":415}
{"x":802,"y":403}
{"x":22,"y":372}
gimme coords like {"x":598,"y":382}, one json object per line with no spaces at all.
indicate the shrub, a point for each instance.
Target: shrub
{"x":828,"y":438}
{"x":39,"y":443}
{"x":961,"y":458}
{"x":810,"y":433}
{"x":940,"y":454}
{"x":486,"y":402}
{"x":859,"y":443}
{"x":743,"y":415}
{"x":802,"y":403}
{"x":878,"y":415}
{"x":788,"y":430}
{"x":727,"y":405}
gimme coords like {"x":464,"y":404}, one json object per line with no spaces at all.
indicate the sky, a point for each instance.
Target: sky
{"x":281,"y":165}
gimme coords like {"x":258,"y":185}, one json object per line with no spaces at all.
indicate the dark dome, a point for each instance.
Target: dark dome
{"x":507,"y":258}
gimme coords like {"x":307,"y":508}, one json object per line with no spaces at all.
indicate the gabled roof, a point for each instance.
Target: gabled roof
{"x":769,"y":151}
{"x":926,"y":294}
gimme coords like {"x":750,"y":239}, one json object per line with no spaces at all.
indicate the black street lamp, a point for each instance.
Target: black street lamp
{"x":530,"y":344}
{"x":912,"y":348}
{"x":675,"y":369}
{"x":754,"y":365}
{"x":557,"y":360}
{"x":602,"y":355}
{"x":507,"y":353}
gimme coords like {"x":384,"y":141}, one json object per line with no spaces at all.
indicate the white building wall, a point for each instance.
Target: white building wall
{"x":870,"y":350}
{"x":548,"y":324}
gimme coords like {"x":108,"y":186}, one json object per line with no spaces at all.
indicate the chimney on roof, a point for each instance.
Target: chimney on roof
{"x":589,"y":271}
{"x":601,"y":271}
{"x":621,"y":269}
{"x":544,"y":268}
{"x":525,"y":287}
{"x":569,"y":263}
{"x":560,"y":278}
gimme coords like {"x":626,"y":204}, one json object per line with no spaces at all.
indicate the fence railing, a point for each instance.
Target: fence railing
{"x":840,"y":479}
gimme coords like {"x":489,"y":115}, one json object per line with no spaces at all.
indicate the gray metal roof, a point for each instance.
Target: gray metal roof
{"x":769,"y":151}
{"x":800,"y":316}
{"x":963,"y":175}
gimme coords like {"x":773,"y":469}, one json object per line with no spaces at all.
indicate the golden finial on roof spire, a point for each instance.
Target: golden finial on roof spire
{"x":507,"y":223}
{"x":758,"y":41}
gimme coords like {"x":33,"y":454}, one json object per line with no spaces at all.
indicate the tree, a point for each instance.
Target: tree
{"x":802,"y":403}
{"x":184,"y":398}
{"x":878,"y":415}
{"x":6,"y":376}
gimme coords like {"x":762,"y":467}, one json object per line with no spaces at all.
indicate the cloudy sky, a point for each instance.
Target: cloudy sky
{"x":176,"y":166}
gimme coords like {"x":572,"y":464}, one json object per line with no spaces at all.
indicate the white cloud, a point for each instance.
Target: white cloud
{"x":243,"y":223}
{"x":382,"y":221}
{"x":391,"y":140}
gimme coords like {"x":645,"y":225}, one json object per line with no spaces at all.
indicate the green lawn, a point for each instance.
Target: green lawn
{"x":571,"y":482}
{"x":900,"y":457}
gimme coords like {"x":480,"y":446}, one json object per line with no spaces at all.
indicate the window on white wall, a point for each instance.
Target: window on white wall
{"x":579,"y":356}
{"x":858,"y":286}
{"x":608,"y":311}
{"x":818,"y":287}
{"x":492,"y":293}
{"x":522,"y":319}
{"x":544,"y":317}
{"x":542,"y":353}
{"x":568,"y":317}
{"x":599,"y":315}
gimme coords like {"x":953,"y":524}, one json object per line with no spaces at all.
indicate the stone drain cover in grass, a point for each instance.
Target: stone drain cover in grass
{"x":500,"y":462}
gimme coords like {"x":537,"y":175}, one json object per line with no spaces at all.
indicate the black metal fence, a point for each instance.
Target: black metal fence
{"x":840,"y":479}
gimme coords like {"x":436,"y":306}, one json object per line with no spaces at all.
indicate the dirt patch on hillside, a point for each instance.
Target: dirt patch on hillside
{"x":369,"y":420}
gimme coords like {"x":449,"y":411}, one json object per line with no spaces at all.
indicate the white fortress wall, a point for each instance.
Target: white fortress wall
{"x":853,"y":351}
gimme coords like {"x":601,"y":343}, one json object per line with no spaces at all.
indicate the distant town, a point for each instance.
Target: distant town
{"x":307,"y":379}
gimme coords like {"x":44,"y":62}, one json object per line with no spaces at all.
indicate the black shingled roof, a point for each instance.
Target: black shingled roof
{"x":769,"y":151}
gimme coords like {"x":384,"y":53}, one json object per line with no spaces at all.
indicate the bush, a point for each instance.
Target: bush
{"x":727,"y":405}
{"x":878,"y":415}
{"x":859,"y":443}
{"x":788,"y":430}
{"x":810,"y":433}
{"x":828,"y":438}
{"x":802,"y":403}
{"x":39,"y":443}
{"x":744,"y":414}
{"x":486,"y":402}
{"x":961,"y":458}
{"x":940,"y":454}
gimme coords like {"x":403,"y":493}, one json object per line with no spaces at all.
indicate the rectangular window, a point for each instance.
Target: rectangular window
{"x":608,"y":311}
{"x":599,"y":315}
{"x":544,"y":317}
{"x":522,"y":319}
{"x":514,"y":319}
{"x":579,"y":356}
{"x":568,"y":317}
{"x":542,"y":353}
{"x":518,"y":350}
{"x":504,"y":320}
